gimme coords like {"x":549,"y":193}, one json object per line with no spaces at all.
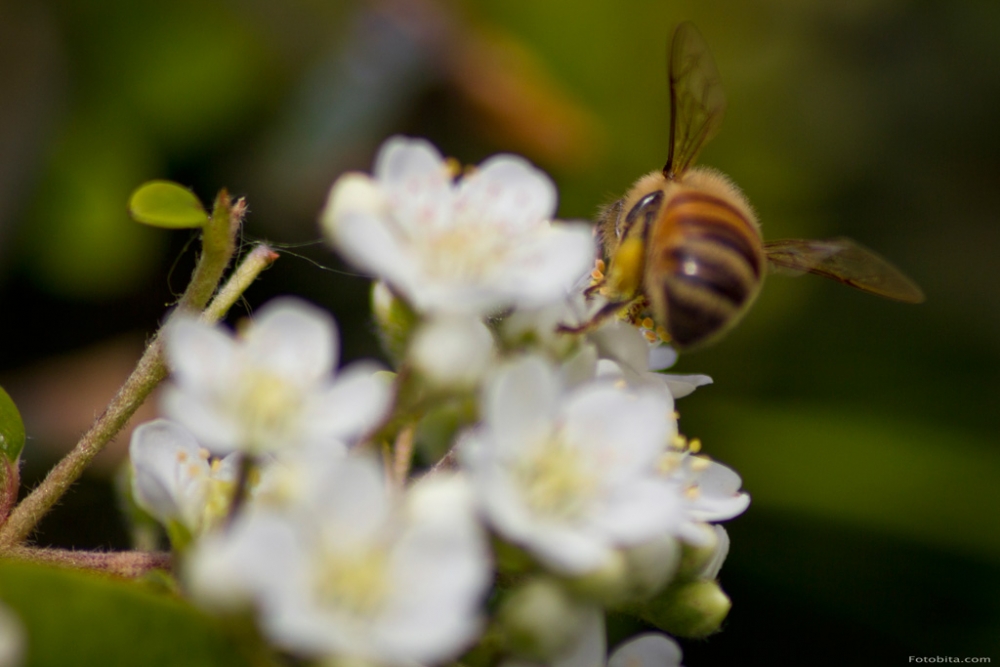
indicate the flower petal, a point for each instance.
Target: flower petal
{"x":520,"y":402}
{"x":351,"y":406}
{"x":294,"y":340}
{"x":169,"y":475}
{"x":416,"y":183}
{"x":647,"y":650}
{"x":200,"y":355}
{"x":508,"y":194}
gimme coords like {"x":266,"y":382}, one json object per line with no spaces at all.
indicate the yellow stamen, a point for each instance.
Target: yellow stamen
{"x":669,"y":462}
{"x":695,"y":445}
{"x":356,"y":583}
{"x":555,"y":483}
{"x":453,"y":167}
{"x":700,"y":463}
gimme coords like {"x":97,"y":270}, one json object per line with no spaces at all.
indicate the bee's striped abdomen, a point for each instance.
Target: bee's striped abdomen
{"x":707,"y":259}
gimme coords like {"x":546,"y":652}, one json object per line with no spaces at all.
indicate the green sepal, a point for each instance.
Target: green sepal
{"x":180,"y":536}
{"x":396,"y":321}
{"x":11,"y":428}
{"x":166,"y":204}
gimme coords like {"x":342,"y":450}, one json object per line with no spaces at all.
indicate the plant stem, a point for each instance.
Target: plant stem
{"x":403,"y":455}
{"x":148,"y":373}
{"x":129,"y":564}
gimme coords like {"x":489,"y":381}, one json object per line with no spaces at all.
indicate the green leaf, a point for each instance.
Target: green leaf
{"x":80,"y":618}
{"x":166,"y":204}
{"x":11,"y":428}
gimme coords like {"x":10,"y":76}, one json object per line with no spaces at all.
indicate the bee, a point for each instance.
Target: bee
{"x":684,"y":244}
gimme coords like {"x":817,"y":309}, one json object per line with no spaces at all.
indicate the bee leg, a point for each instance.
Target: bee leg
{"x":589,"y":292}
{"x":607,"y":310}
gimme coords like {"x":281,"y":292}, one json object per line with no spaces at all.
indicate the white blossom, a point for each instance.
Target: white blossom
{"x":273,"y":387}
{"x":621,"y":347}
{"x":711,"y":492}
{"x":571,"y":474}
{"x":174,"y":478}
{"x":363,"y":576}
{"x":635,"y":359}
{"x":478,"y":245}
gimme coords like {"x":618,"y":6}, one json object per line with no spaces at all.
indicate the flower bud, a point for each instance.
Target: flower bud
{"x":452,"y":353}
{"x":634,"y":573}
{"x":694,"y":610}
{"x":697,"y":560}
{"x":608,"y":584}
{"x":651,"y":565}
{"x":540,"y":620}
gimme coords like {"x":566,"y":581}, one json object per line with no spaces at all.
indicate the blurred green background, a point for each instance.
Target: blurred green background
{"x":865,"y":430}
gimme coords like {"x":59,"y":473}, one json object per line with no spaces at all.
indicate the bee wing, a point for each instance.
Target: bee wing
{"x":845,"y":261}
{"x":697,"y":102}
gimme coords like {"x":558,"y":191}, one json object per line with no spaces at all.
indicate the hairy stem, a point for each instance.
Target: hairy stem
{"x":148,"y":373}
{"x":129,"y":564}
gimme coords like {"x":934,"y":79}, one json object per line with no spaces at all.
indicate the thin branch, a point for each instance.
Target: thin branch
{"x":148,"y":373}
{"x":129,"y":564}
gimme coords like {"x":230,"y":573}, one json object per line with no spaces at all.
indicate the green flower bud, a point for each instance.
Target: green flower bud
{"x":539,"y":620}
{"x":636,"y":573}
{"x":694,"y":610}
{"x":652,"y":565}
{"x":694,"y":559}
{"x":608,"y":585}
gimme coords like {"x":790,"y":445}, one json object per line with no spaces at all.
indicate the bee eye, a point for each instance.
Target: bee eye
{"x":646,"y":208}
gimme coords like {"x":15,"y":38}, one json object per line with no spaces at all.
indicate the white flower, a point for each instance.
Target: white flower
{"x":571,"y":474}
{"x":476,"y":246}
{"x":11,"y":638}
{"x":175,"y":480}
{"x":362,"y":576}
{"x":272,"y":388}
{"x":622,"y":348}
{"x":634,"y":357}
{"x":711,"y":492}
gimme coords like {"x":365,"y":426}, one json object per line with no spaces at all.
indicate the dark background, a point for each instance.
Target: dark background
{"x":865,"y":430}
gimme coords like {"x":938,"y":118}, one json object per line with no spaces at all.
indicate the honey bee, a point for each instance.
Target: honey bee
{"x":684,"y":245}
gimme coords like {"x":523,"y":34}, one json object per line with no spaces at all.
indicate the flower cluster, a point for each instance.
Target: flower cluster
{"x":562,"y":447}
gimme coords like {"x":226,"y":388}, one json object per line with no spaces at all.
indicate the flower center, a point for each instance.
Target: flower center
{"x":268,"y":405}
{"x":355,"y":582}
{"x":218,"y":499}
{"x":465,"y":252}
{"x":555,"y":483}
